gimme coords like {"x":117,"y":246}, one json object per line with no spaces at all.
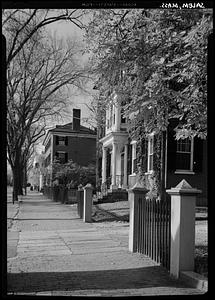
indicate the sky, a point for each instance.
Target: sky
{"x":65,"y":30}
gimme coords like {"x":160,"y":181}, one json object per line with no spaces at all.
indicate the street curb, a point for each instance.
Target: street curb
{"x":195,"y":280}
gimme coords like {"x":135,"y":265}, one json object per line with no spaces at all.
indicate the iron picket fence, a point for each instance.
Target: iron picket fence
{"x":153,"y":236}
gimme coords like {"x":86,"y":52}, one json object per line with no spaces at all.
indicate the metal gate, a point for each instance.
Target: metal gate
{"x":153,"y":234}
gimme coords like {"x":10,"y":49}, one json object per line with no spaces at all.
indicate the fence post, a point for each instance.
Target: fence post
{"x":134,"y":194}
{"x":182,"y":247}
{"x":80,"y":194}
{"x":88,"y":192}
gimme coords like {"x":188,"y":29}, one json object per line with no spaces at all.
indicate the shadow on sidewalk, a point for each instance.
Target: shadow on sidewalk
{"x":46,"y":219}
{"x":149,"y":277}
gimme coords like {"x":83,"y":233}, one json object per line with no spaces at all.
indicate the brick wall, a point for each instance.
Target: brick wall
{"x":80,"y":149}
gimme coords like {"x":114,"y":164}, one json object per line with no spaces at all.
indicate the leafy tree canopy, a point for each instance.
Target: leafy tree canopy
{"x":156,"y":61}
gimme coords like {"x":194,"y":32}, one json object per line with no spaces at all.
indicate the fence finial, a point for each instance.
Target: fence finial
{"x":183,"y":187}
{"x":80,"y":187}
{"x":88,"y":186}
{"x":139,"y":187}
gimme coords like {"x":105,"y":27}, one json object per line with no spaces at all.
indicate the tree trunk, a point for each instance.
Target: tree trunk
{"x":25,"y":179}
{"x":20,"y":179}
{"x":17,"y":180}
{"x":15,"y":184}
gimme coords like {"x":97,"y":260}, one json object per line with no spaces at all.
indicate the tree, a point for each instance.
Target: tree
{"x":72,"y":175}
{"x":156,"y":62}
{"x":20,"y":25}
{"x":154,"y":58}
{"x":37,"y":81}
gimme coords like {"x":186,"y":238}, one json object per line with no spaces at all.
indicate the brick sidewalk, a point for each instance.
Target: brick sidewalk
{"x":58,"y":254}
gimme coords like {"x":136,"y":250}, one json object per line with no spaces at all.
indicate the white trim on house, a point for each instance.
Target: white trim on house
{"x":87,"y":135}
{"x":186,"y":172}
{"x":61,"y":151}
{"x":133,"y":156}
{"x":150,"y":153}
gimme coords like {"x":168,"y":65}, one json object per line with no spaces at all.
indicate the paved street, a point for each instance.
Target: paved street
{"x":52,"y":252}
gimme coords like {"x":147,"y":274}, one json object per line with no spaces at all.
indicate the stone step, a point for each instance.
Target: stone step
{"x":194,"y":280}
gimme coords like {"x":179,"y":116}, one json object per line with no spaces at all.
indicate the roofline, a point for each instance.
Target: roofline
{"x":78,"y":134}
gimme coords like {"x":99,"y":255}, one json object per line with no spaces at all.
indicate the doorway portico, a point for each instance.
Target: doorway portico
{"x":114,"y":160}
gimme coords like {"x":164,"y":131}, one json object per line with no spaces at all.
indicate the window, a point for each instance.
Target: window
{"x":184,"y":154}
{"x":150,"y":152}
{"x":62,"y":157}
{"x":62,"y":140}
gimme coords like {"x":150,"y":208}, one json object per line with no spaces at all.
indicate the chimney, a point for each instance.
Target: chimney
{"x":76,"y":119}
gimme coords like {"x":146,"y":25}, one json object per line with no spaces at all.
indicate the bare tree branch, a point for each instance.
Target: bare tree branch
{"x":25,"y":23}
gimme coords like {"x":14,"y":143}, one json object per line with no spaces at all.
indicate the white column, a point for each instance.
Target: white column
{"x":114,"y":166}
{"x":104,"y":163}
{"x":41,"y":181}
{"x":182,"y":250}
{"x":118,"y":117}
{"x":125,"y":183}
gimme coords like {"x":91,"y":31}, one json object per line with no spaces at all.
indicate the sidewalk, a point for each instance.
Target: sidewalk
{"x":58,"y":254}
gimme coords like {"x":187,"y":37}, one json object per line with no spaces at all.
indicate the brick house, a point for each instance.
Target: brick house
{"x":71,"y":141}
{"x":183,"y":159}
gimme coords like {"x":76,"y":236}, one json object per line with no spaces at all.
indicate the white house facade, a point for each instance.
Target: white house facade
{"x":118,"y":153}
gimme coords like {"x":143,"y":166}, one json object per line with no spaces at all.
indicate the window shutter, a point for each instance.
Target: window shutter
{"x":145,"y":155}
{"x":66,"y":140}
{"x":198,"y":155}
{"x":66,"y":157}
{"x":129,"y":158}
{"x":171,"y":146}
{"x":57,"y":140}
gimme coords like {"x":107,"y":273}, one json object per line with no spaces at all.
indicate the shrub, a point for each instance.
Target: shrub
{"x":72,"y":175}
